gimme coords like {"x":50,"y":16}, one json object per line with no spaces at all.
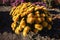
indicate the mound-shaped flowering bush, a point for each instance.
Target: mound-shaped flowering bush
{"x":30,"y":17}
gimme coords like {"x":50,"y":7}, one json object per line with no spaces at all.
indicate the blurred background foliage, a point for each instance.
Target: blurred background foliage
{"x":49,"y":3}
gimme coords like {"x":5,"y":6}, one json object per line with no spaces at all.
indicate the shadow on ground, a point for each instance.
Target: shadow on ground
{"x":5,"y":22}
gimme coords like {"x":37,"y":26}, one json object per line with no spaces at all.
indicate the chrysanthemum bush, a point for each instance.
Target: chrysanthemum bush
{"x":30,"y":17}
